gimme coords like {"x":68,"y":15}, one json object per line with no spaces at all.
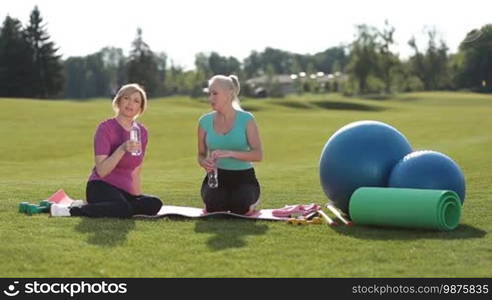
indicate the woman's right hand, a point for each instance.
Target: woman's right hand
{"x":131,"y":146}
{"x":208,"y":164}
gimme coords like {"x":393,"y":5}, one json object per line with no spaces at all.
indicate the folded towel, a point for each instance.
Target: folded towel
{"x":300,"y":209}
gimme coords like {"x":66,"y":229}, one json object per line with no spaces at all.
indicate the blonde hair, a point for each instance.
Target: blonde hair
{"x":231,"y":83}
{"x":129,"y":89}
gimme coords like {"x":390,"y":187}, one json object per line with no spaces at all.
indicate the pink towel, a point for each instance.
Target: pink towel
{"x":60,"y":197}
{"x":302,"y":209}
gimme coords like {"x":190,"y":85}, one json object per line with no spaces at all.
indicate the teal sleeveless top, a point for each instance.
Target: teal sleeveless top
{"x":235,"y":140}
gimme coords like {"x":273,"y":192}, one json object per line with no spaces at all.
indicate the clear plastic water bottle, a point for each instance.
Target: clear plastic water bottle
{"x":135,"y":136}
{"x":213,"y":180}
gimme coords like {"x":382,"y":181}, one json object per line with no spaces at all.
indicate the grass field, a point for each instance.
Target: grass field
{"x":47,"y":145}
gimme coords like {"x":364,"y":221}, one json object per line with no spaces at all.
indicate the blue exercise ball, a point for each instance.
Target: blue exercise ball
{"x":360,"y":154}
{"x":428,"y":170}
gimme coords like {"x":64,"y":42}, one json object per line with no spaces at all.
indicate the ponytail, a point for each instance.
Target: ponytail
{"x":235,"y":92}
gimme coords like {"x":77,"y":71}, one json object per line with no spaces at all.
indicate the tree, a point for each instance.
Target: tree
{"x":142,"y":66}
{"x":223,"y":65}
{"x":173,"y":83}
{"x":272,"y":86}
{"x":363,"y":56}
{"x":327,"y":61}
{"x":213,"y":64}
{"x":75,"y":78}
{"x":15,"y":60}
{"x":252,"y":65}
{"x":281,"y":61}
{"x":181,"y":82}
{"x":161,"y":62}
{"x":431,"y":67}
{"x":94,"y":75}
{"x":97,"y":77}
{"x":47,"y":72}
{"x":310,"y":84}
{"x":278,"y":61}
{"x":114,"y":62}
{"x":387,"y":60}
{"x":474,"y":70}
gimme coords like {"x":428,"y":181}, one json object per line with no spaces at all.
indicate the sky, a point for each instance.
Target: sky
{"x":182,"y":28}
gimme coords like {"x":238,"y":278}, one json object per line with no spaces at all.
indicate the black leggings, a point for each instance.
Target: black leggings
{"x":237,"y":191}
{"x":105,"y":200}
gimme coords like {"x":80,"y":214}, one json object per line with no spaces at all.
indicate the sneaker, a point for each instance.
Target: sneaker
{"x":77,"y":203}
{"x":59,"y":210}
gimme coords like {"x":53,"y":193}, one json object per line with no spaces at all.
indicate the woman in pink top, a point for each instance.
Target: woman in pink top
{"x":113,"y":188}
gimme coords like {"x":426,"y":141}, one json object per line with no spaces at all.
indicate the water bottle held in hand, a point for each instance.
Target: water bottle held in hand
{"x":135,"y":136}
{"x":213,"y":180}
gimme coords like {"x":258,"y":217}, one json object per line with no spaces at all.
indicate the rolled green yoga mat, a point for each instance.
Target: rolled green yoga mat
{"x":414,"y":208}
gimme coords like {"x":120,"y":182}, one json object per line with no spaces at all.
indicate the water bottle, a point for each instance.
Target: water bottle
{"x":213,"y":180}
{"x":135,"y":136}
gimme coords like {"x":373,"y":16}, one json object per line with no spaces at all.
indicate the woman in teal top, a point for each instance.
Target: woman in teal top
{"x":228,"y":143}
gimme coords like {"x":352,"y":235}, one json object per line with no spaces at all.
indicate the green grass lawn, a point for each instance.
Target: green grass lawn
{"x":47,"y":145}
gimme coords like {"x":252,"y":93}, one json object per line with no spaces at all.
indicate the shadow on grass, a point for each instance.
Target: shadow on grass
{"x":250,"y":108}
{"x":347,"y":106}
{"x":463,"y":231}
{"x":293,"y":104}
{"x":106,"y":232}
{"x":377,"y":97}
{"x":408,"y":98}
{"x":228,"y":233}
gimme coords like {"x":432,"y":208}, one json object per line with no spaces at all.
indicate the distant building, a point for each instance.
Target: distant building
{"x":289,"y":84}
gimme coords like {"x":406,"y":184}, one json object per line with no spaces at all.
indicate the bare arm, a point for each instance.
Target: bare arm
{"x":105,"y":164}
{"x":203,"y":161}
{"x":254,"y":154}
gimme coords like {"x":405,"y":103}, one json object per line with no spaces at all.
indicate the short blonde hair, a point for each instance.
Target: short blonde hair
{"x":129,"y":89}
{"x":231,"y":83}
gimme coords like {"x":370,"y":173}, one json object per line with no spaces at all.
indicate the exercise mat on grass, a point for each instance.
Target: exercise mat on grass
{"x":412,"y":208}
{"x":195,"y":212}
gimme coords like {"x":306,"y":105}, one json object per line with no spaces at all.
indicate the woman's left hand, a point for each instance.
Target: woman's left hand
{"x":221,"y":154}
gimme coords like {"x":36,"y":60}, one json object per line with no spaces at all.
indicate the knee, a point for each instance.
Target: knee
{"x":209,"y":199}
{"x":154,"y":204}
{"x":239,"y":205}
{"x":210,"y":196}
{"x":206,"y":193}
{"x":243,"y":202}
{"x":215,"y":207}
{"x":241,"y":208}
{"x":214,"y":202}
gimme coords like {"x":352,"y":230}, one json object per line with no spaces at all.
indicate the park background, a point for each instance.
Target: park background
{"x":436,"y":94}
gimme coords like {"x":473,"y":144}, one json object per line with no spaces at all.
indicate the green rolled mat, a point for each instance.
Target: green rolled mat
{"x":413,"y":208}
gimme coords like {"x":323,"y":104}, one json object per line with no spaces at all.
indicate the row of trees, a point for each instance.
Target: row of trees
{"x":30,"y":65}
{"x":376,"y":69}
{"x":102,"y":73}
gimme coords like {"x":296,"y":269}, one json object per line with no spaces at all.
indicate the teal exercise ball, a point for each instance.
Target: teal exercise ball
{"x":428,"y":170}
{"x":360,"y":154}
